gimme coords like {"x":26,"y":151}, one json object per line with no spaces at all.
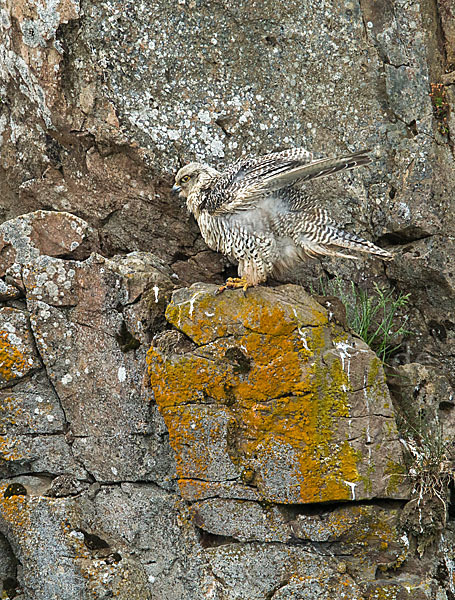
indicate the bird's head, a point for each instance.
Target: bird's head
{"x":189,"y":180}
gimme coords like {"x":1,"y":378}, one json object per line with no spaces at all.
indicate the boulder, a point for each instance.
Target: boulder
{"x":268,"y":400}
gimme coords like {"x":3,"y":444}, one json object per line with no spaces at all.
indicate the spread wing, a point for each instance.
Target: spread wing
{"x":248,"y":180}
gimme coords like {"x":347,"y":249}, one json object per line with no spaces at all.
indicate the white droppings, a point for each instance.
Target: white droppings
{"x":114,"y":471}
{"x":191,"y":302}
{"x":352,"y":486}
{"x":302,"y":335}
{"x":367,"y":402}
{"x":343,"y":347}
{"x":50,"y":418}
{"x":404,"y":538}
{"x":156,"y":289}
{"x":121,"y":374}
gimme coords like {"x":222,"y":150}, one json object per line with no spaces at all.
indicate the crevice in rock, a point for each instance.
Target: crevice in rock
{"x":212,"y":540}
{"x":451,"y":504}
{"x":35,"y":434}
{"x":222,"y":123}
{"x":240,"y":362}
{"x":275,"y":590}
{"x":404,"y":237}
{"x":151,"y":484}
{"x":229,"y":270}
{"x":445,"y":577}
{"x":440,"y":36}
{"x":67,"y":35}
{"x":319,"y":508}
{"x":105,"y":220}
{"x":93,"y":541}
{"x":9,"y":584}
{"x":126,"y":340}
{"x":11,"y":587}
{"x":207,"y":481}
{"x":100,"y":548}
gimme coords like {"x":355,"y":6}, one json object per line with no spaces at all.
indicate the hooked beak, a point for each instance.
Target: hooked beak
{"x":176,"y":189}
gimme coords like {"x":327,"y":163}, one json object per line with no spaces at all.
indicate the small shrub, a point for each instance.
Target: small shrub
{"x":431,"y":471}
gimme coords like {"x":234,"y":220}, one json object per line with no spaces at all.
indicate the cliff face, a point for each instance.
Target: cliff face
{"x":262,"y":430}
{"x":160,"y":442}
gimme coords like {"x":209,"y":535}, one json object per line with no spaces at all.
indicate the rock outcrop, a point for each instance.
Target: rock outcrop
{"x":265,"y":399}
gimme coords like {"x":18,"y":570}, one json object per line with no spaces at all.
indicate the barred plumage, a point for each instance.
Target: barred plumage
{"x":255,"y":212}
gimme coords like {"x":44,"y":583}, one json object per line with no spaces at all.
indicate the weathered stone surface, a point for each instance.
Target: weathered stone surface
{"x":83,"y":338}
{"x":31,"y":407}
{"x":348,"y":529}
{"x":157,"y":525}
{"x":43,"y":232}
{"x":57,"y":558}
{"x":258,"y":571}
{"x":273,"y":396}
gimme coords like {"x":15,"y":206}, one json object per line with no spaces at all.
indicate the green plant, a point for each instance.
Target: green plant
{"x":441,"y":107}
{"x":374,"y":317}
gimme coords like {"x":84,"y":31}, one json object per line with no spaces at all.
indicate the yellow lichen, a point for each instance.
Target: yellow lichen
{"x":277,"y":411}
{"x":289,"y":401}
{"x":12,"y":361}
{"x":396,"y":473}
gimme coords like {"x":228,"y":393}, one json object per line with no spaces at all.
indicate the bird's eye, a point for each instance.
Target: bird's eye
{"x":185,"y":178}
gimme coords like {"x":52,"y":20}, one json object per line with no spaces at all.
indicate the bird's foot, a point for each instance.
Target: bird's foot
{"x":233,"y":283}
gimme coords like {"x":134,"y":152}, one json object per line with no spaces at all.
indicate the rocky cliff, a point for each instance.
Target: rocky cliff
{"x":158,"y":441}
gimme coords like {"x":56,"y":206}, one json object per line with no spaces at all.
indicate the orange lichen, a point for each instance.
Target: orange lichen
{"x":12,"y":362}
{"x":287,"y":403}
{"x":205,"y":320}
{"x":9,"y":450}
{"x":15,"y":511}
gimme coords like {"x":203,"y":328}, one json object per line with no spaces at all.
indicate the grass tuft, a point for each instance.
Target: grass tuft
{"x":375,"y":317}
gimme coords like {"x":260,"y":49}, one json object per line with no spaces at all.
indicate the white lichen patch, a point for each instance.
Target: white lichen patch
{"x":66,"y":379}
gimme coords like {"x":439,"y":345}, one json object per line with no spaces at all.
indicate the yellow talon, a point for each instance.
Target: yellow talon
{"x":233,"y":283}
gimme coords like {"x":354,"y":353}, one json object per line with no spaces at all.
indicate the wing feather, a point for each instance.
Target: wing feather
{"x":248,"y":180}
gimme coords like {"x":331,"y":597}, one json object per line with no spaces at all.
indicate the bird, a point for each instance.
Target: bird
{"x":257,"y":214}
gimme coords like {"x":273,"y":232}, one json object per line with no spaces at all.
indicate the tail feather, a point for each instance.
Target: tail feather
{"x":330,"y":239}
